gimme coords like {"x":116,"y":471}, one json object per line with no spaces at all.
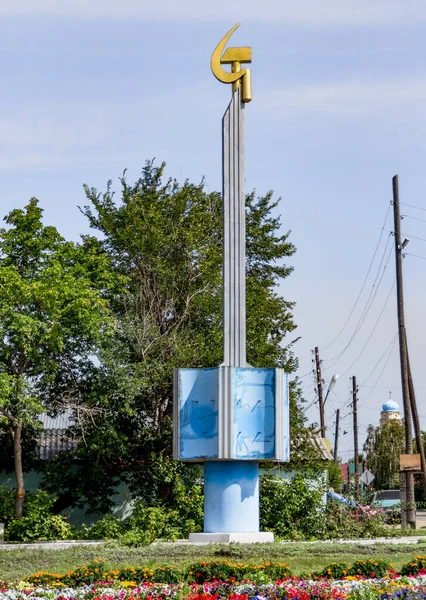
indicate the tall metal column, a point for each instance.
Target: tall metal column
{"x":234,"y":234}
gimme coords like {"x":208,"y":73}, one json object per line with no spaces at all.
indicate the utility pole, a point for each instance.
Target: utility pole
{"x":403,"y":356}
{"x":319,"y":389}
{"x":415,"y":414}
{"x":336,"y":437}
{"x":355,"y":417}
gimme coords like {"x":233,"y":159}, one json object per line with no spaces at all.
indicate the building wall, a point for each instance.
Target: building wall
{"x":122,"y":501}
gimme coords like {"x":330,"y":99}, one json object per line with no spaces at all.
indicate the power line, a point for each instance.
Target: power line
{"x":411,"y":206}
{"x":413,"y":237}
{"x":378,"y":362}
{"x":368,"y":304}
{"x":381,"y":372}
{"x":411,"y":217}
{"x":363,"y":285}
{"x":415,"y":255}
{"x":305,"y":375}
{"x":372,"y":331}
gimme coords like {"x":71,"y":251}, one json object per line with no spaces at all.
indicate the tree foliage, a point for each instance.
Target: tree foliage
{"x":165,"y":239}
{"x":383,"y":447}
{"x":52,"y":315}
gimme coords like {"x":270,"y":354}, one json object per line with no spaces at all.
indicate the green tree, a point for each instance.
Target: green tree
{"x":166,"y":239}
{"x":52,"y":315}
{"x":382,"y":448}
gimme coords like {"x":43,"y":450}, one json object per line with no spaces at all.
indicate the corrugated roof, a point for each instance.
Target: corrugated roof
{"x":61,"y":421}
{"x":53,"y":441}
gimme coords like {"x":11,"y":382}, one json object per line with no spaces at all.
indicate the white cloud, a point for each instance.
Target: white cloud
{"x":356,"y":98}
{"x":309,"y":12}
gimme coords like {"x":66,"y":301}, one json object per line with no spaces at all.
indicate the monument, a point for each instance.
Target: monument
{"x":232,"y":416}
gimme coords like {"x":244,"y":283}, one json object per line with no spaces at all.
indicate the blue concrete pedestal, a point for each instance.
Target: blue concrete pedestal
{"x":231,"y":497}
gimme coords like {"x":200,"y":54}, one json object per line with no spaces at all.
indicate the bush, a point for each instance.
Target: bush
{"x":7,"y":504}
{"x":226,"y":571}
{"x":183,"y":516}
{"x":37,"y":522}
{"x":107,"y":528}
{"x":346,"y":522}
{"x":149,"y":523}
{"x":414,"y":566}
{"x":364,"y":568}
{"x":371,"y":568}
{"x":292,"y":510}
{"x":336,"y":570}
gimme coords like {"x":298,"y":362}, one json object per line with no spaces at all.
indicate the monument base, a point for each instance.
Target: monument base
{"x":255,"y":537}
{"x":231,"y":497}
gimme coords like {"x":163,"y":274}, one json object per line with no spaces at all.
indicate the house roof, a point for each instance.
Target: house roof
{"x":53,"y":441}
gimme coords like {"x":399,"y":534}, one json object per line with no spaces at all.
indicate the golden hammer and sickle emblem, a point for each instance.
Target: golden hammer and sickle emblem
{"x":233,"y":57}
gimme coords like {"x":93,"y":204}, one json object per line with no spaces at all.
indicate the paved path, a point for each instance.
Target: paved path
{"x":409,"y":540}
{"x":49,"y":545}
{"x":421,"y":519}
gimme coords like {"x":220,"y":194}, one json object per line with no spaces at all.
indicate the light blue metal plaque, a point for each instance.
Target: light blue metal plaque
{"x":198,"y":400}
{"x":254,"y":413}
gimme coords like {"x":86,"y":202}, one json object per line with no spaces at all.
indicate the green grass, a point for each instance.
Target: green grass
{"x":18,"y":563}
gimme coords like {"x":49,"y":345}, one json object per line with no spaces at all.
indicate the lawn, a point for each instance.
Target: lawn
{"x":301,"y":558}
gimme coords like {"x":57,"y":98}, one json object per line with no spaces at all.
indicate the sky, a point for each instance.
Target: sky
{"x":93,"y":87}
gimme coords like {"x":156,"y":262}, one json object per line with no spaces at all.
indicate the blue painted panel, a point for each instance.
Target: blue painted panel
{"x":198,"y":402}
{"x":231,"y":496}
{"x":254,"y":413}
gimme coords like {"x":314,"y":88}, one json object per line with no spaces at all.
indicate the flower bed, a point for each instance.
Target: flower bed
{"x":224,"y":580}
{"x":401,"y":588}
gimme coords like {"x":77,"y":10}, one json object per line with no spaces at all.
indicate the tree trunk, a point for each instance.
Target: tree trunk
{"x":19,"y":474}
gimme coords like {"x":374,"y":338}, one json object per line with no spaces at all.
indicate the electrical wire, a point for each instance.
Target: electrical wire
{"x":415,"y":218}
{"x":415,"y":255}
{"x":378,"y":362}
{"x":305,"y":375}
{"x":411,"y":206}
{"x":363,"y":285}
{"x":413,"y":237}
{"x":373,"y":330}
{"x":381,"y":373}
{"x":368,"y":305}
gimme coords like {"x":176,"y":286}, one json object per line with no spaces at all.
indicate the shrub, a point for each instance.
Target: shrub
{"x":346,"y":522}
{"x":292,"y":510}
{"x":107,"y":528}
{"x":37,"y":522}
{"x":371,"y":568}
{"x":94,"y":571}
{"x":414,"y":566}
{"x":7,"y":504}
{"x":336,"y":570}
{"x":226,"y":571}
{"x":183,"y":516}
{"x":148,"y":523}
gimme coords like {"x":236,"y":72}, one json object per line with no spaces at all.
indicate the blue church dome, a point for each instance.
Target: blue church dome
{"x":390,"y":406}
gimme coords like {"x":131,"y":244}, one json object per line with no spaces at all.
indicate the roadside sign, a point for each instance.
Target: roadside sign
{"x":367,"y":477}
{"x":409,"y":462}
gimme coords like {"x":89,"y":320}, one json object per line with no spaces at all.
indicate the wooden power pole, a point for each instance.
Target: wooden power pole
{"x":319,"y":390}
{"x":336,"y":437}
{"x":403,"y":356}
{"x":416,"y":421}
{"x":355,"y":417}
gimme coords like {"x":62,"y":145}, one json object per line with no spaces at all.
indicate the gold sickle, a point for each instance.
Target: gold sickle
{"x":234,"y":57}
